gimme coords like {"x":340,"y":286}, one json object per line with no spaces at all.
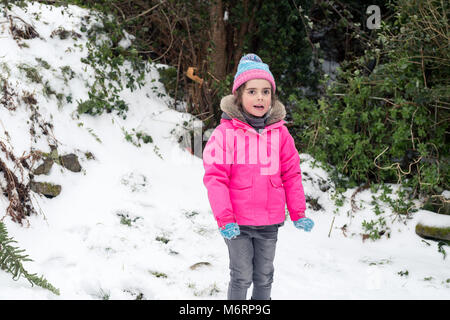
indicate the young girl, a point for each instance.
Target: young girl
{"x":252,"y":171}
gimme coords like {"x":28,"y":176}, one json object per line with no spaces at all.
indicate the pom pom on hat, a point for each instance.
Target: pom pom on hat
{"x":251,"y":67}
{"x":251,"y":57}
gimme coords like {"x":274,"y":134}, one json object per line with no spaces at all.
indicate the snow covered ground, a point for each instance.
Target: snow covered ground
{"x":136,"y":222}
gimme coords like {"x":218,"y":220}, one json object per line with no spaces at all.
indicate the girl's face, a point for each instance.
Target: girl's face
{"x":257,"y":97}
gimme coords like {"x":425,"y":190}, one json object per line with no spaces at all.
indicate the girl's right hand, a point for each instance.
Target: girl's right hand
{"x":230,"y":231}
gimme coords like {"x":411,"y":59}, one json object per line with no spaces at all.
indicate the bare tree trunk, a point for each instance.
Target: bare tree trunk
{"x":245,"y":28}
{"x":218,"y":55}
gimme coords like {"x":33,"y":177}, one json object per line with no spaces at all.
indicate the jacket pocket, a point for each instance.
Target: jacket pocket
{"x":276,"y":181}
{"x":277,"y":197}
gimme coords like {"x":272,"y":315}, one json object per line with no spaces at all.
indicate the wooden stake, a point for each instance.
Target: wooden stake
{"x":331,"y":226}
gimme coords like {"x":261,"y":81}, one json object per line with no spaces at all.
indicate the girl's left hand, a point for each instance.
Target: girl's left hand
{"x":304,"y":223}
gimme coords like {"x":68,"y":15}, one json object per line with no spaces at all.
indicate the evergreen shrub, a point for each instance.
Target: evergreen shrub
{"x":389,"y":124}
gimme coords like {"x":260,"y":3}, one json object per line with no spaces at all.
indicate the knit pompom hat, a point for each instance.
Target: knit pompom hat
{"x":251,"y":67}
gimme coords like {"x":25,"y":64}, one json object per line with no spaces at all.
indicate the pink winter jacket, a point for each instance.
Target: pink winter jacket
{"x":250,"y":176}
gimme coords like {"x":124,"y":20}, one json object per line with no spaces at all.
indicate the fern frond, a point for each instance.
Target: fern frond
{"x":12,"y":258}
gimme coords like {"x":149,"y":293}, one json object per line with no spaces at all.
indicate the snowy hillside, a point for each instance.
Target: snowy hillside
{"x":135,"y":223}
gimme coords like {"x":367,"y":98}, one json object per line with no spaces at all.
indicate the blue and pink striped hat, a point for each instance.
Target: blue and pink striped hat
{"x":251,"y":67}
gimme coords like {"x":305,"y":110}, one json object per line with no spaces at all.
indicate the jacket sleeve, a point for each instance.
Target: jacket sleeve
{"x":217,"y":177}
{"x":292,"y":177}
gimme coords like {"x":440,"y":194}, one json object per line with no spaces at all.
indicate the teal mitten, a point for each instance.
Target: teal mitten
{"x":304,"y":223}
{"x":230,"y":231}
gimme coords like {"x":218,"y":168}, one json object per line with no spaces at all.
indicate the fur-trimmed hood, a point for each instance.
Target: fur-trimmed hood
{"x":276,"y":113}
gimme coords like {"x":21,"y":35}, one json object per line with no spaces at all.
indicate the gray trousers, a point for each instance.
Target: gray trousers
{"x":251,"y":261}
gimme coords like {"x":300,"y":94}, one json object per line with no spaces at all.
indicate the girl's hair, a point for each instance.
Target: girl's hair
{"x":239,"y":91}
